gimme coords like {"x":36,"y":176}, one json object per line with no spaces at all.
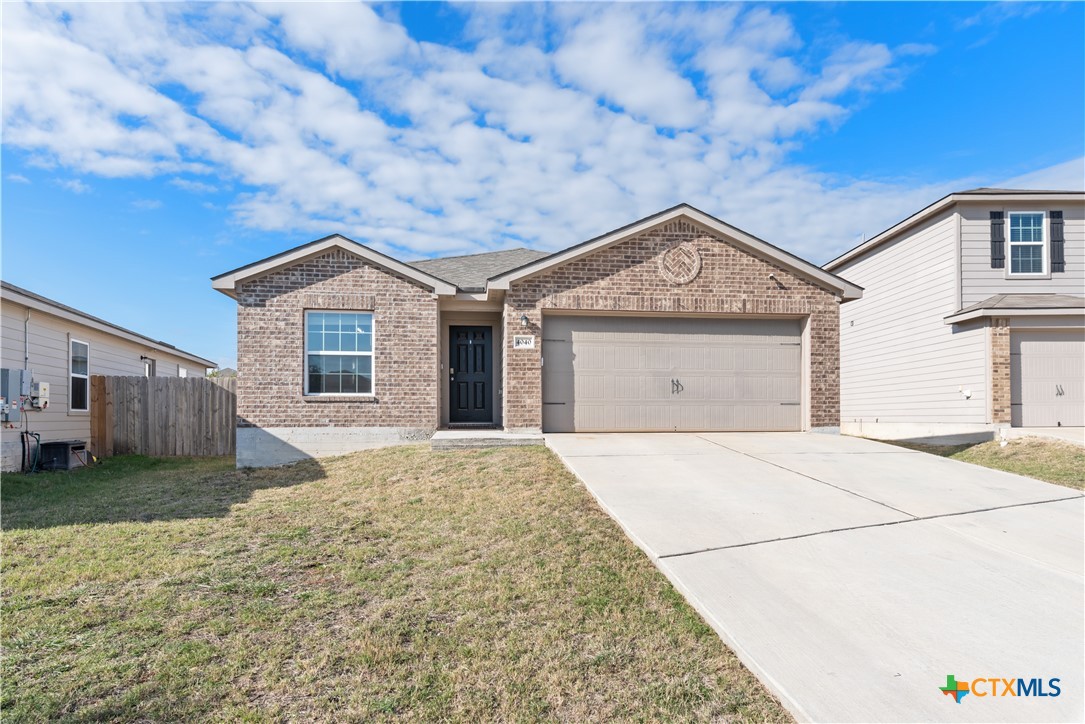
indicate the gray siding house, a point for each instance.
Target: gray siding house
{"x":972,"y":318}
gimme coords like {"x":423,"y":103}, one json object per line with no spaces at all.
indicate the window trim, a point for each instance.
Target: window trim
{"x":72,"y":375}
{"x":372,"y":354}
{"x":1044,"y":244}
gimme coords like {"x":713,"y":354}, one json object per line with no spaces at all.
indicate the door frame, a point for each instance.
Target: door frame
{"x":492,"y":378}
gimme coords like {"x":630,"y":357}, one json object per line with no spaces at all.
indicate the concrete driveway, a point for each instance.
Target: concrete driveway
{"x":852,"y":576}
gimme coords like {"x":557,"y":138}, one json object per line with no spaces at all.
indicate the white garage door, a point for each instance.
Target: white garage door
{"x":1047,"y":379}
{"x":666,"y":374}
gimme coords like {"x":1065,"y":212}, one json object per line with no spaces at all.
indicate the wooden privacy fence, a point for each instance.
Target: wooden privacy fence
{"x":163,"y":416}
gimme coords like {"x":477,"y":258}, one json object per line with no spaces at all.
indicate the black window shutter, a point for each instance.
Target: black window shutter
{"x":998,"y":241}
{"x":1058,"y":242}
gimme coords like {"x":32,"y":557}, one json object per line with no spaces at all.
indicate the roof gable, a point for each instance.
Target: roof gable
{"x":926,"y":213}
{"x":228,"y":282}
{"x":741,"y":239}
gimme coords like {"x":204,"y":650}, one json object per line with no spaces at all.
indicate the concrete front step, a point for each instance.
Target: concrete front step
{"x":462,"y":439}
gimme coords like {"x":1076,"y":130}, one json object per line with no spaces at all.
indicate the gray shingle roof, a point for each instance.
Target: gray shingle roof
{"x":1028,"y":301}
{"x":470,"y":272}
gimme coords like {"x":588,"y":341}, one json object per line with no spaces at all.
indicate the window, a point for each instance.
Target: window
{"x":181,"y":371}
{"x":149,"y":367}
{"x":79,"y":378}
{"x":339,"y":353}
{"x":1027,"y":243}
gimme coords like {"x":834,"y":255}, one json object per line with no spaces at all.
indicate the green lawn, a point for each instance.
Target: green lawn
{"x":398,"y":583}
{"x":1054,"y":461}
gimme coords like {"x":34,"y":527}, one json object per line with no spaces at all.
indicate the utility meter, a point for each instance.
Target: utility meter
{"x":39,"y":395}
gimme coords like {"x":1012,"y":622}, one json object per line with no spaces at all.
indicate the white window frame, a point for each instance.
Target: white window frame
{"x":181,"y":372}
{"x":372,"y":354}
{"x":72,"y":375}
{"x":1045,"y":255}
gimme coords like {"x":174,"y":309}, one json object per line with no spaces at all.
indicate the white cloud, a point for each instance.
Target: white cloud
{"x":547,"y":125}
{"x":1068,"y":176}
{"x":196,"y":187}
{"x":146,"y":204}
{"x":74,"y":185}
{"x":18,"y":178}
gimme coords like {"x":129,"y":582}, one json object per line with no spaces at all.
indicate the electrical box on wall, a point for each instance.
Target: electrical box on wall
{"x":14,"y":388}
{"x":39,"y":395}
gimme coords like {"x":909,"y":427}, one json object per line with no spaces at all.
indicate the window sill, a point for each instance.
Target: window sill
{"x":78,"y":413}
{"x":339,"y":398}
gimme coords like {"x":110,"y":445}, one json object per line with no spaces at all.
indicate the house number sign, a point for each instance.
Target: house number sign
{"x":523,"y":341}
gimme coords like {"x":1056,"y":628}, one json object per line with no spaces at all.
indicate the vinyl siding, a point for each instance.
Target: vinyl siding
{"x":980,"y":281}
{"x":899,"y":362}
{"x":48,"y":336}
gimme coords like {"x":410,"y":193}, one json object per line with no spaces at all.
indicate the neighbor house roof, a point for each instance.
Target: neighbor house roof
{"x":1011,"y":305}
{"x":471,"y":271}
{"x":27,"y":298}
{"x":748,"y":242}
{"x":970,"y":196}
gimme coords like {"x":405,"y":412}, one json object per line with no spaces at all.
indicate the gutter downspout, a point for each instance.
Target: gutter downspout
{"x":26,"y":340}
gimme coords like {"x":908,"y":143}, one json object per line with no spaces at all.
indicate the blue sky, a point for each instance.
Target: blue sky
{"x":147,"y":148}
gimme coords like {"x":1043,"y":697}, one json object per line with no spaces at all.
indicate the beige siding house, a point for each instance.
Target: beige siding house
{"x":972,"y":319}
{"x":63,"y":346}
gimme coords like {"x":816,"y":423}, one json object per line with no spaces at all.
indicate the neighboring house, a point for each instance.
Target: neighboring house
{"x":973,"y":318}
{"x":63,"y":347}
{"x":675,"y":322}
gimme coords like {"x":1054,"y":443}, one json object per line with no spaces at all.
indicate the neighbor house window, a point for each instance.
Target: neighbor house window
{"x":1027,"y":243}
{"x":181,"y":371}
{"x":339,"y":353}
{"x":79,"y":378}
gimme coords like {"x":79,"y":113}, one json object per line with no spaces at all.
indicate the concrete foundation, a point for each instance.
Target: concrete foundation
{"x":457,"y":439}
{"x":267,"y":447}
{"x":933,"y":433}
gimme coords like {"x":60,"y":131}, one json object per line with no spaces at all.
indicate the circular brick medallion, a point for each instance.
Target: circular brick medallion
{"x":680,"y":263}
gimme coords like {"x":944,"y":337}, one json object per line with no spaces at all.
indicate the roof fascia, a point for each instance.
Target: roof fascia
{"x":846,"y":289}
{"x":996,"y":312}
{"x":102,"y":326}
{"x":227,"y":282}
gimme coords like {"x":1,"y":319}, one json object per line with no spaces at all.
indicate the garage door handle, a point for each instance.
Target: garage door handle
{"x":1058,"y":391}
{"x":676,"y":387}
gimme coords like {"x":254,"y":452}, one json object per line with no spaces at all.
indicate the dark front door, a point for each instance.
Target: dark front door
{"x":470,"y":374}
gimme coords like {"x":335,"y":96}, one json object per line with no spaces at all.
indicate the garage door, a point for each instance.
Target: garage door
{"x":665,"y":374}
{"x":1047,"y":370}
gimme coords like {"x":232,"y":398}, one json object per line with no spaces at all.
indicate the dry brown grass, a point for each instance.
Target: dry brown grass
{"x":398,"y":583}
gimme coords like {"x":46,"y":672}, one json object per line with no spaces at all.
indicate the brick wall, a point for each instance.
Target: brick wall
{"x":270,"y":346}
{"x":626,"y":278}
{"x":999,"y":331}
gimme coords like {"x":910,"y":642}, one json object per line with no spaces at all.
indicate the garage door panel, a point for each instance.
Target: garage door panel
{"x":720,"y":388}
{"x":657,"y":358}
{"x":720,"y":358}
{"x":733,"y":374}
{"x":1046,"y":379}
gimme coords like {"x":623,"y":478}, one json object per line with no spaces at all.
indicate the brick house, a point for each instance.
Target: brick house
{"x":676,"y":322}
